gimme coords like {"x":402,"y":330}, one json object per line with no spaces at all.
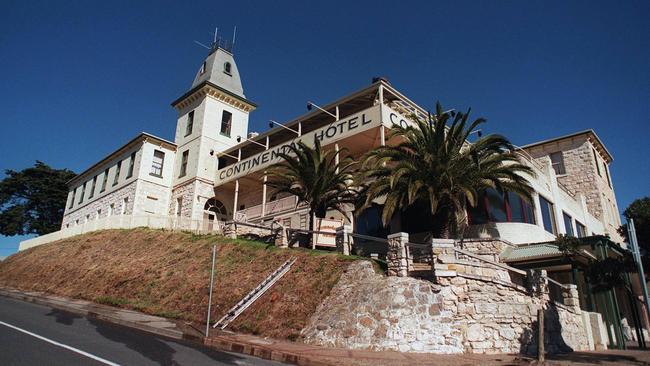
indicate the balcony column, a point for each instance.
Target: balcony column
{"x":336,"y":157}
{"x":234,"y":206}
{"x":264,"y":195}
{"x":382,"y":135}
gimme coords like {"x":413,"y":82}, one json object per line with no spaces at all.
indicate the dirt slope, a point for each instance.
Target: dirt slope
{"x":167,"y":273}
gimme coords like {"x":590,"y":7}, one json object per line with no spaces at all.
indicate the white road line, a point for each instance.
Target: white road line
{"x":96,"y":358}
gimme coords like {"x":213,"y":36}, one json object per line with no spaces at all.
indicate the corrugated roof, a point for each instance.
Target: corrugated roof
{"x":526,"y":252}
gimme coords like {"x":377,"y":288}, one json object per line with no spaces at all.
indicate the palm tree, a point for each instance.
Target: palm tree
{"x":319,"y":178}
{"x":434,"y":165}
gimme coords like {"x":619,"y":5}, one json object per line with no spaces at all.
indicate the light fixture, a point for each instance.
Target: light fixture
{"x":272,"y":122}
{"x":311,"y":104}
{"x":239,"y":138}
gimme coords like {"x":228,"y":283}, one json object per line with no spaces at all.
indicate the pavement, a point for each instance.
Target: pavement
{"x":100,"y":330}
{"x":33,"y":334}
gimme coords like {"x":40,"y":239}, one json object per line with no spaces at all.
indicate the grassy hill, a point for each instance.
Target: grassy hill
{"x":167,"y":273}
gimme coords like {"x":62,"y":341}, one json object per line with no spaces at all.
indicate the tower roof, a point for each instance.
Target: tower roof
{"x":220,"y":69}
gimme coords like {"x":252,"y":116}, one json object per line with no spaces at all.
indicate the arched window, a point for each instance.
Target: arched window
{"x":227,"y":67}
{"x":215,"y":206}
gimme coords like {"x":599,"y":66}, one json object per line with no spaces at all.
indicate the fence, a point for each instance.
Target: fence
{"x":128,"y":222}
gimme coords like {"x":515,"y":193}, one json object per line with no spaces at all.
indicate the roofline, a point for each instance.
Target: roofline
{"x":141,"y":137}
{"x":211,"y":84}
{"x":590,"y":132}
{"x":331,"y":105}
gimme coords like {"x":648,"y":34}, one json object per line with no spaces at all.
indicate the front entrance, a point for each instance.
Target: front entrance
{"x":212,"y":211}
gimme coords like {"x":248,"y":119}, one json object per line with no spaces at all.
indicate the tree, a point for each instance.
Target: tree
{"x":32,"y":201}
{"x":639,"y":211}
{"x":315,"y":177}
{"x":436,"y":166}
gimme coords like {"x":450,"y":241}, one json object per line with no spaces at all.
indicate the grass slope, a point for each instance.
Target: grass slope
{"x":167,"y":273}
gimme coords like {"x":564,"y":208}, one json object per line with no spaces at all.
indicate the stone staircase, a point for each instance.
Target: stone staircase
{"x":422,"y":271}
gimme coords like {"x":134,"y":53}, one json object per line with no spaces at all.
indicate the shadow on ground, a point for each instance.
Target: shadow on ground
{"x":63,"y":317}
{"x":156,"y":348}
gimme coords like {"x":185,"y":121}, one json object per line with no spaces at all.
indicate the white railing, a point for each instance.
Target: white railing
{"x":128,"y":222}
{"x":272,"y":207}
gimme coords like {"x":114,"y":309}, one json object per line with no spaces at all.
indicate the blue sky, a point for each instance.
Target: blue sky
{"x":79,"y":79}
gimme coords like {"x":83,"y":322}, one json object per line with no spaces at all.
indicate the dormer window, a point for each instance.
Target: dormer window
{"x":202,"y":70}
{"x":227,"y":67}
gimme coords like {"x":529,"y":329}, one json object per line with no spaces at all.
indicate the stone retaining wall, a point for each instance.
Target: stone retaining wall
{"x":460,"y":314}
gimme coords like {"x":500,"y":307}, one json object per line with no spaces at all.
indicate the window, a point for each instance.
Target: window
{"x":581,"y":230}
{"x":226,"y":123}
{"x":493,"y":206}
{"x":104,"y":181}
{"x":157,"y":163}
{"x":203,"y":66}
{"x":87,"y":217}
{"x":125,"y":203}
{"x":186,"y":154}
{"x":111,"y":209}
{"x":190,"y":123}
{"x":76,"y":222}
{"x":99,"y":213}
{"x":92,"y":188}
{"x":227,"y":67}
{"x":568,"y":224}
{"x":596,"y":161}
{"x":548,"y":215}
{"x":519,"y":209}
{"x":83,"y":192}
{"x":74,"y":193}
{"x":131,"y":165}
{"x":117,"y":172}
{"x":179,"y":206}
{"x":557,"y":161}
{"x":496,"y":206}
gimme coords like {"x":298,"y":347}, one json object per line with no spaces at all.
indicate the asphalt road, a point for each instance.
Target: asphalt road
{"x":32,"y":334}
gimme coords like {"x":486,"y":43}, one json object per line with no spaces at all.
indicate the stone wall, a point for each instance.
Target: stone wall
{"x":366,"y":310}
{"x":463,"y":313}
{"x":103,"y":204}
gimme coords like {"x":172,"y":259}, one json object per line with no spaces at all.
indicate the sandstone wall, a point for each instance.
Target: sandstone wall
{"x":464,"y":313}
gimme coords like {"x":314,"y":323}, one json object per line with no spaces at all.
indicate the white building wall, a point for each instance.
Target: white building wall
{"x":141,"y":193}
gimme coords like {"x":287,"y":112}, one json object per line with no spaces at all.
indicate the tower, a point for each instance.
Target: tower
{"x":211,"y":115}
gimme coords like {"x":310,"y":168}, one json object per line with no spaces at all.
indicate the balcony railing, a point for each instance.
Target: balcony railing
{"x":272,"y":208}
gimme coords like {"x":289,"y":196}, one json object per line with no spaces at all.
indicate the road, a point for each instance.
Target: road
{"x":32,"y":334}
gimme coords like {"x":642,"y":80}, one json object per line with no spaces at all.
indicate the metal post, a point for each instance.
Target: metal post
{"x":637,"y":258}
{"x":214,"y":257}
{"x":540,"y":334}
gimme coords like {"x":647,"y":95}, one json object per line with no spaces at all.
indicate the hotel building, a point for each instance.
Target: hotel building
{"x":215,"y":171}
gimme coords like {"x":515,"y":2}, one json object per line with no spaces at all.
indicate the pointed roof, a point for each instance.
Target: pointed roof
{"x":220,"y":69}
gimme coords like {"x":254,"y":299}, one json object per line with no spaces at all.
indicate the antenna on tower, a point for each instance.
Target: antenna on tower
{"x":202,"y":45}
{"x":216,"y":31}
{"x":234,"y":33}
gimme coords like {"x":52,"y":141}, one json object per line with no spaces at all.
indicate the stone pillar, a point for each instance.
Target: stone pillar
{"x":443,"y":261}
{"x":230,"y":230}
{"x":343,"y":239}
{"x":571,"y":298}
{"x":537,"y":283}
{"x":281,"y":236}
{"x":397,"y":256}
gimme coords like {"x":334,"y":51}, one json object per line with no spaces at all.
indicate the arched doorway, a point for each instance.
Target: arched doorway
{"x":213,"y":209}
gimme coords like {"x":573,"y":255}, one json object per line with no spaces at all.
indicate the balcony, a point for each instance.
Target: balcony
{"x":276,"y":207}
